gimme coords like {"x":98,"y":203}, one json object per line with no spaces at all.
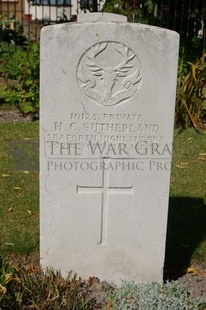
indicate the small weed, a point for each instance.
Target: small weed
{"x":9,"y":298}
{"x":191,"y":95}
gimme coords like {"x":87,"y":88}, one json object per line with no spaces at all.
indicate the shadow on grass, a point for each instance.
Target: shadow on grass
{"x":186,"y":229}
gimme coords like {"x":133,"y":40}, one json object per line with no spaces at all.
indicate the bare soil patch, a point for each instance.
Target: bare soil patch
{"x":14,"y":116}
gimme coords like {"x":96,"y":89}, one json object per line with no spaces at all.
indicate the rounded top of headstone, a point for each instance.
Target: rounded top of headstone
{"x":101,"y":17}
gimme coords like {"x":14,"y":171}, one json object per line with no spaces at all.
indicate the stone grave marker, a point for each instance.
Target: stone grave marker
{"x":107,"y":112}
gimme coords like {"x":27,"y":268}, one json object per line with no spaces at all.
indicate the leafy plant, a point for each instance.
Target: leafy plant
{"x":8,"y":279}
{"x":21,"y":74}
{"x":153,"y":296}
{"x":49,"y":290}
{"x":191,"y":94}
{"x":29,"y":287}
{"x":11,"y":30}
{"x":6,"y":276}
{"x":133,"y":10}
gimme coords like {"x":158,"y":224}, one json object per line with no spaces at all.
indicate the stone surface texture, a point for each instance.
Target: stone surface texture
{"x":107,"y":113}
{"x":97,"y":17}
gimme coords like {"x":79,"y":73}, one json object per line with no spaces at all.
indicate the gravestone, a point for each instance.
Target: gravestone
{"x":107,"y":111}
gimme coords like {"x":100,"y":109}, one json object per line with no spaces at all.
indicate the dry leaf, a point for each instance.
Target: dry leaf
{"x":29,"y":212}
{"x":192,"y":270}
{"x":90,"y":281}
{"x":26,"y":172}
{"x":31,"y":268}
{"x":202,"y":154}
{"x":109,"y":305}
{"x":182,"y":165}
{"x":17,"y":187}
{"x":9,"y":244}
{"x":3,"y":288}
{"x":11,"y":220}
{"x":189,"y":139}
{"x":202,"y":158}
{"x":10,"y":209}
{"x":5,"y":175}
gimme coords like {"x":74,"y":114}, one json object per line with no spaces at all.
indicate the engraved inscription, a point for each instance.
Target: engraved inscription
{"x":104,"y":190}
{"x":106,"y":134}
{"x":109,"y":73}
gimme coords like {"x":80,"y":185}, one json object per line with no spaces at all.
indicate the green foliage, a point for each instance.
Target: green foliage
{"x":20,"y":71}
{"x":132,"y":10}
{"x":6,"y":275}
{"x":113,"y":6}
{"x":153,"y":296}
{"x":149,"y":4}
{"x":191,"y":93}
{"x":11,"y":30}
{"x":191,"y":86}
{"x":30,"y":287}
{"x":9,"y":298}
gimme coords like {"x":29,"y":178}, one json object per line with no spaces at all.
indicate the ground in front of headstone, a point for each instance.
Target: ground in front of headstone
{"x":13,"y":115}
{"x":194,"y":281}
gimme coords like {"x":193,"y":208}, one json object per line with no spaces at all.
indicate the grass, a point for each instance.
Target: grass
{"x":189,"y":164}
{"x":186,"y":232}
{"x":186,"y":236}
{"x":19,"y":195}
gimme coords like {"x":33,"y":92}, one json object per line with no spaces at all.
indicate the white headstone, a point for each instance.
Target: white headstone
{"x":107,"y":111}
{"x":97,"y":17}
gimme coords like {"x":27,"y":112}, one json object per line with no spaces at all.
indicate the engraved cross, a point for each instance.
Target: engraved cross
{"x":104,"y":190}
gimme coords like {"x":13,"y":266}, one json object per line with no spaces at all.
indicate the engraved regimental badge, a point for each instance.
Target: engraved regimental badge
{"x":108,"y":73}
